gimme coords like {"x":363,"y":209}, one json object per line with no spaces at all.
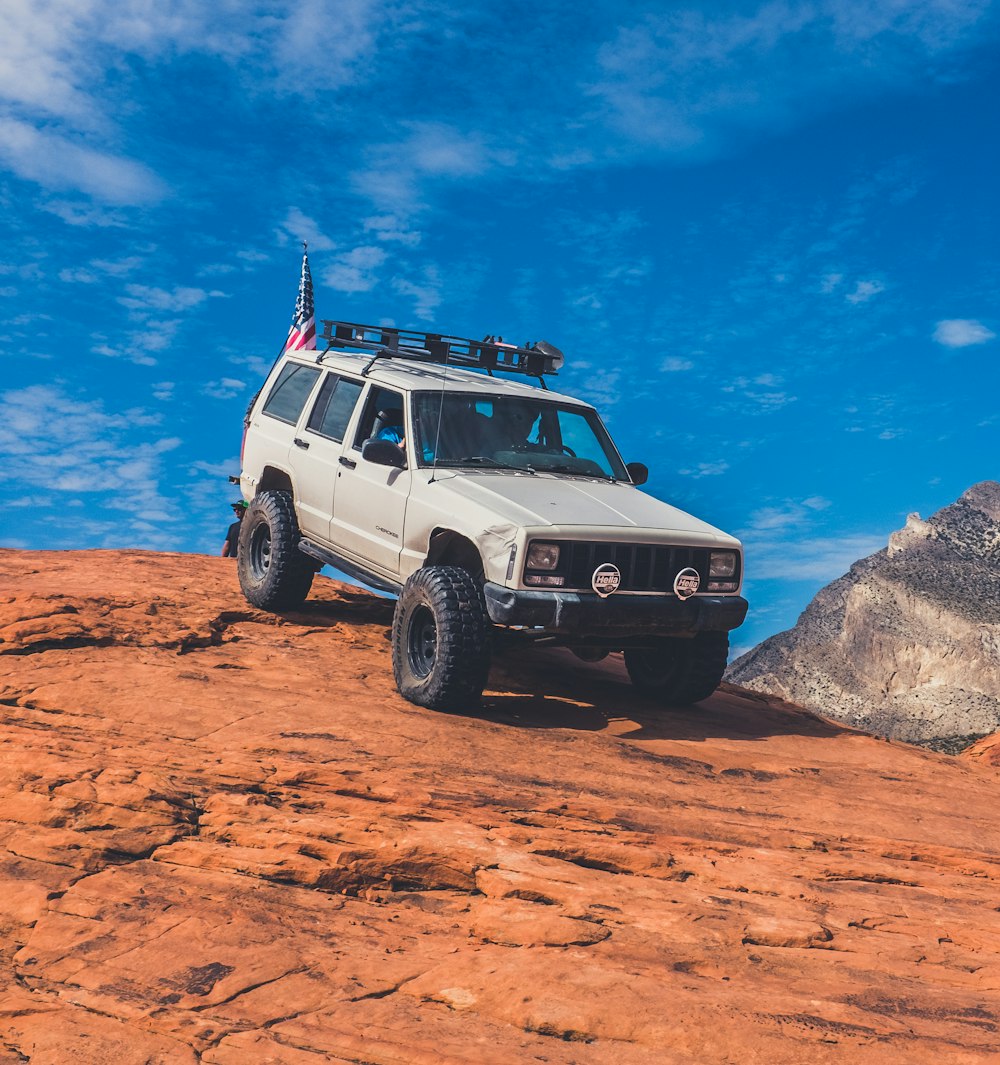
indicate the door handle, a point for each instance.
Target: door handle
{"x":349,"y":463}
{"x":301,"y":443}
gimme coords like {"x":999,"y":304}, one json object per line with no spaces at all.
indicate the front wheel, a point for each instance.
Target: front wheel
{"x":441,"y":639}
{"x":680,"y":671}
{"x":274,"y":574}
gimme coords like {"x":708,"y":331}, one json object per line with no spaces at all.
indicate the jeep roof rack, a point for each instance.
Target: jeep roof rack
{"x":489,"y":354}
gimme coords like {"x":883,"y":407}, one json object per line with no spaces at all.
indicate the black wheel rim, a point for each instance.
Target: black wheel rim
{"x":421,"y":642}
{"x":260,"y":550}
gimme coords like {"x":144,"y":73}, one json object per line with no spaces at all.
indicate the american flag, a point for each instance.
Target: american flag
{"x":303,"y":331}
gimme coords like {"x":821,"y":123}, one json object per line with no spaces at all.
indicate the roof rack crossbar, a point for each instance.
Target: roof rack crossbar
{"x":491,"y":353}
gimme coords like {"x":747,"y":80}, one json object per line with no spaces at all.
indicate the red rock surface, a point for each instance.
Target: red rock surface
{"x":225,"y":838}
{"x":986,"y":750}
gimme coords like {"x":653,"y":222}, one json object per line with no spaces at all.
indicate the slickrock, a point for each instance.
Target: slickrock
{"x":224,"y":838}
{"x":907,"y":643}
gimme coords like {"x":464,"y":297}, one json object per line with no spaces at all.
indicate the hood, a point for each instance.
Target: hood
{"x":549,"y":500}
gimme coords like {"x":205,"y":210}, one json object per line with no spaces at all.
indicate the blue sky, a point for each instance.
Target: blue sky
{"x":765,"y":234}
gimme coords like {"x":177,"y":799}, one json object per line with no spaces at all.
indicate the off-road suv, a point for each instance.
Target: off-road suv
{"x":494,"y":508}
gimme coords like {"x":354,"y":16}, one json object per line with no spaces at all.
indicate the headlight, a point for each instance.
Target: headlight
{"x":542,"y":556}
{"x":722,"y":564}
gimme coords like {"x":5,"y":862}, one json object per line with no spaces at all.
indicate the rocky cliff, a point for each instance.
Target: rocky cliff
{"x":224,"y":838}
{"x":907,"y":643}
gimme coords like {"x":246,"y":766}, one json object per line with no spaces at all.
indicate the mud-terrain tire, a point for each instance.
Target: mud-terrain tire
{"x":680,"y":671}
{"x":274,"y":574}
{"x":441,"y":639}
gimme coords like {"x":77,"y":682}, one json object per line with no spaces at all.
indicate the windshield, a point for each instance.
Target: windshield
{"x":502,"y":432}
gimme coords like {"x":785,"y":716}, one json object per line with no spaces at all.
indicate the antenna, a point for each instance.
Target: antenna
{"x":437,"y":437}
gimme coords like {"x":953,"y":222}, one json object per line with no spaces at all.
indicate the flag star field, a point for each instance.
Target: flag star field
{"x":764,"y":234}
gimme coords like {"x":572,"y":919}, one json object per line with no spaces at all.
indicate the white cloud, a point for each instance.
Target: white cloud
{"x":95,"y":451}
{"x":667,"y":79}
{"x":299,"y":226}
{"x":772,"y":518}
{"x":146,"y":298}
{"x":84,"y":214}
{"x":356,"y":270}
{"x":215,"y":469}
{"x":682,"y":80}
{"x":226,"y":388}
{"x":390,"y":228}
{"x":962,"y":332}
{"x":442,"y":150}
{"x":762,"y":392}
{"x":706,"y":469}
{"x":789,"y":514}
{"x":816,"y":503}
{"x":118,"y":267}
{"x":56,"y":161}
{"x":864,"y":291}
{"x":156,"y":335}
{"x":90,"y":274}
{"x":137,"y":346}
{"x":813,"y":559}
{"x":139,"y":356}
{"x":78,"y":276}
{"x":425,"y":293}
{"x":673,"y":364}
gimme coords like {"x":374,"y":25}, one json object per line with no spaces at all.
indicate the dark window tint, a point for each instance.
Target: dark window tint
{"x":290,"y":392}
{"x":334,"y":406}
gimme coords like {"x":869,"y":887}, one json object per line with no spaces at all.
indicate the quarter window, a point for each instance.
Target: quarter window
{"x":334,"y":406}
{"x":290,"y":392}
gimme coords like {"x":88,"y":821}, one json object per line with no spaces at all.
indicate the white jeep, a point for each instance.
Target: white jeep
{"x":492,"y":507}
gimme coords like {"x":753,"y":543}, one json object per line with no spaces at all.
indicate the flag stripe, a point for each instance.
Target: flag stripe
{"x":302,"y":334}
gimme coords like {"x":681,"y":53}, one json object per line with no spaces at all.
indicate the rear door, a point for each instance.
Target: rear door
{"x":316,"y":451}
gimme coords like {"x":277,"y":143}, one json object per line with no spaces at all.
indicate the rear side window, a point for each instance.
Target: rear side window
{"x":334,"y":406}
{"x":290,"y":392}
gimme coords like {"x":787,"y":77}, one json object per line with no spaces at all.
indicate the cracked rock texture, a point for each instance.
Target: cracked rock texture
{"x":907,"y":643}
{"x":224,"y":838}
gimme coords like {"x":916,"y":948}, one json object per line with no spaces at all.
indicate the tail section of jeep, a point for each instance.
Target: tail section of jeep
{"x":493,"y":507}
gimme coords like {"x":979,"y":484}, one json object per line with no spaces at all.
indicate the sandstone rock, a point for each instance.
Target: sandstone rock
{"x":224,"y":838}
{"x":907,"y":643}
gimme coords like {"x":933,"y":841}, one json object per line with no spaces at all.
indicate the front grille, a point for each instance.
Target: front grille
{"x":644,"y":567}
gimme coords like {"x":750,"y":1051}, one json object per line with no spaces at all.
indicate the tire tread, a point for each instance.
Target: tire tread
{"x":289,"y":573}
{"x":692,"y":668}
{"x":462,"y":663}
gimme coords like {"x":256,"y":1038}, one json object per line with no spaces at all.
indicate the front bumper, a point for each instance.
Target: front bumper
{"x":584,"y":616}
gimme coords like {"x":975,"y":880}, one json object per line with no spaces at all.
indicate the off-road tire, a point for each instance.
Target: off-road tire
{"x":441,"y":639}
{"x":274,"y":574}
{"x":680,"y":671}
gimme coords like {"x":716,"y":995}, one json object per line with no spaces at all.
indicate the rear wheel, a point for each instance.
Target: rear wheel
{"x":441,"y":639}
{"x":679,"y":670}
{"x":274,"y":574}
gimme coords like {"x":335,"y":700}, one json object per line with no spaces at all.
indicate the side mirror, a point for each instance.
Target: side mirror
{"x":638,"y":471}
{"x":384,"y":453}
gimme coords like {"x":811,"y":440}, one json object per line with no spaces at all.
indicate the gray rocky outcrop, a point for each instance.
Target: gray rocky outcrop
{"x":907,"y":642}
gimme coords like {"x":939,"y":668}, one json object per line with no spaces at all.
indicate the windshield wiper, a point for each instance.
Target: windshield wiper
{"x":576,"y":471}
{"x":485,"y":460}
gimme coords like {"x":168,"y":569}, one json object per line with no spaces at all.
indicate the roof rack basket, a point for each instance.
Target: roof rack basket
{"x":491,"y":353}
